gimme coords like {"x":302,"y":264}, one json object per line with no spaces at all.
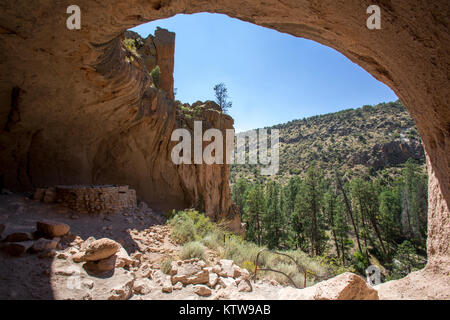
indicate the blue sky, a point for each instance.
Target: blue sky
{"x":271,"y":77}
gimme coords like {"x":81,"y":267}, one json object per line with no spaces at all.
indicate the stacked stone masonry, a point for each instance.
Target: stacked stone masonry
{"x":90,"y":199}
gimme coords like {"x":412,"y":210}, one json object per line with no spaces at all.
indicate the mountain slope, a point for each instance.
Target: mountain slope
{"x":370,"y":138}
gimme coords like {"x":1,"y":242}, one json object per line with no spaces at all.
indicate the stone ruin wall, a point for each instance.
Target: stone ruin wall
{"x":90,"y":199}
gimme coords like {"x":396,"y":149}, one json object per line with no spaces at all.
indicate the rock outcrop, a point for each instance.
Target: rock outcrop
{"x":132,"y":145}
{"x":157,"y":50}
{"x":346,"y":286}
{"x":389,"y":154}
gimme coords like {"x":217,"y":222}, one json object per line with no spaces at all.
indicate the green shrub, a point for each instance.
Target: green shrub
{"x":189,"y":226}
{"x":155,"y":74}
{"x":193,"y":250}
{"x":166,"y":265}
{"x":197,"y":233}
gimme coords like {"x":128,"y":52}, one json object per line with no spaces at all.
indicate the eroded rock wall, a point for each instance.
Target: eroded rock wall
{"x":109,"y":124}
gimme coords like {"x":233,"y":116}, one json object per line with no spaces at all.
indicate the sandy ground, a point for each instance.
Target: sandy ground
{"x":140,"y":231}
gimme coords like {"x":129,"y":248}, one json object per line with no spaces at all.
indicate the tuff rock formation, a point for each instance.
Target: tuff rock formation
{"x":127,"y":137}
{"x":389,"y":154}
{"x":74,"y":111}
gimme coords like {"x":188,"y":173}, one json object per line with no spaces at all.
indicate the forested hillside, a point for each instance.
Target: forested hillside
{"x":352,"y":190}
{"x":367,"y":139}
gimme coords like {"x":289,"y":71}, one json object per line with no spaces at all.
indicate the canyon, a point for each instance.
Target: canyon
{"x":74,"y":110}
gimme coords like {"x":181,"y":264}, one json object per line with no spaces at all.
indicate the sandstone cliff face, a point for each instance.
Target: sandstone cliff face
{"x":127,"y":137}
{"x":57,"y":107}
{"x":389,"y":154}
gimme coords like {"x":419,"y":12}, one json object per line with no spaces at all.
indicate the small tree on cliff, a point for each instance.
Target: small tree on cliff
{"x":221,"y":93}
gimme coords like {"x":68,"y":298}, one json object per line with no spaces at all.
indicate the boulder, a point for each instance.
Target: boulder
{"x":227,"y":282}
{"x":123,"y":291}
{"x":123,"y":259}
{"x":52,"y":228}
{"x":201,"y":277}
{"x":102,"y":265}
{"x":346,"y":286}
{"x":188,"y":272}
{"x":227,"y":268}
{"x":101,"y":249}
{"x":16,"y":248}
{"x":19,"y":237}
{"x":163,"y":280}
{"x":244,"y":286}
{"x":240,"y":273}
{"x":49,"y":195}
{"x":202,"y":290}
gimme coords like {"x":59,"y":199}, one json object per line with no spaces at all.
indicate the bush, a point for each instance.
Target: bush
{"x":189,"y":226}
{"x":197,"y":233}
{"x":166,"y":265}
{"x":193,"y":250}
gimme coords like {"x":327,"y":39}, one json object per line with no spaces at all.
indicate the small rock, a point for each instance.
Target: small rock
{"x":245,"y":286}
{"x":142,"y":286}
{"x":19,"y":237}
{"x":227,"y":282}
{"x":102,"y":265}
{"x":144,"y":271}
{"x":240,"y":273}
{"x":123,"y":259}
{"x":167,"y":288}
{"x":88,"y":284}
{"x":227,"y":268}
{"x":142,"y":206}
{"x":78,"y":257}
{"x":178,"y":286}
{"x":213,"y":279}
{"x":52,"y":228}
{"x":45,"y":244}
{"x":101,"y":249}
{"x":62,"y":256}
{"x":274,"y":283}
{"x":216,"y":269}
{"x":47,"y":254}
{"x":39,"y":194}
{"x":123,"y":292}
{"x":49,"y":195}
{"x":16,"y":248}
{"x":202,"y":290}
{"x":74,"y":217}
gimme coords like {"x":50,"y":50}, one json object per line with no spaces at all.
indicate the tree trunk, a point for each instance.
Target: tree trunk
{"x":349,"y":211}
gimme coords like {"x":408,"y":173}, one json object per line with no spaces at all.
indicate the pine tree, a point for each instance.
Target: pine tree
{"x":239,"y":194}
{"x":256,"y":209}
{"x":308,"y":210}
